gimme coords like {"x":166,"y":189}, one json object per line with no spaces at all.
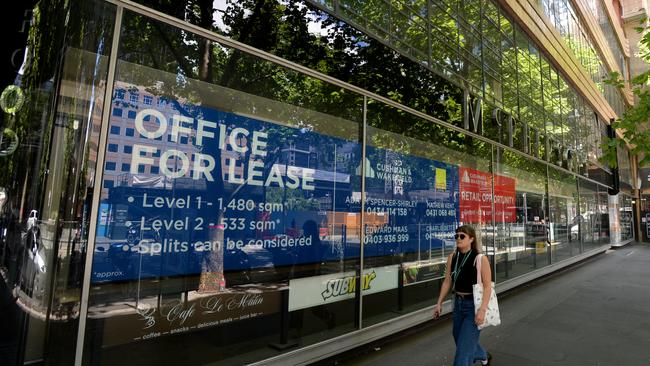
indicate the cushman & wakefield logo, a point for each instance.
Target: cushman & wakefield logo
{"x":346,"y":285}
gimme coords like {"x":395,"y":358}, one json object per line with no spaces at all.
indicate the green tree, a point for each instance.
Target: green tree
{"x":633,"y":125}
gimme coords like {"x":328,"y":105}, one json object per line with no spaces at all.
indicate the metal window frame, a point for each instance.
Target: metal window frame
{"x":97,"y":189}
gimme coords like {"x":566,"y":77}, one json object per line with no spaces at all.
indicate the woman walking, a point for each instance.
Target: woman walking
{"x":460,"y":275}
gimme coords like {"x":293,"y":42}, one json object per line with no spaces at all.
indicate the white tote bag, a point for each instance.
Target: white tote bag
{"x":492,"y":316}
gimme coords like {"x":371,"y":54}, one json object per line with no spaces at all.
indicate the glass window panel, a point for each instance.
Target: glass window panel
{"x":411,"y":208}
{"x":413,"y":34}
{"x":470,"y":15}
{"x":376,"y":13}
{"x":626,"y":217}
{"x":521,"y":241}
{"x":589,"y":218}
{"x":354,"y":10}
{"x":491,"y":35}
{"x":259,"y":201}
{"x":506,"y":28}
{"x":603,"y":215}
{"x":450,"y":7}
{"x":510,"y":99}
{"x":524,"y":82}
{"x":472,"y":71}
{"x":491,"y":12}
{"x":563,"y":213}
{"x":537,"y":118}
{"x":625,"y":168}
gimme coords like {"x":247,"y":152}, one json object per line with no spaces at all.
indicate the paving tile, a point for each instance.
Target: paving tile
{"x":594,"y":314}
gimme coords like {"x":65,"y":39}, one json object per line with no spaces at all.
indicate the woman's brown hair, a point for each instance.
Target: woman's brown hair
{"x":466,"y":229}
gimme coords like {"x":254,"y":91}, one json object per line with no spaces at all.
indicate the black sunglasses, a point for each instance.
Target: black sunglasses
{"x":460,"y":236}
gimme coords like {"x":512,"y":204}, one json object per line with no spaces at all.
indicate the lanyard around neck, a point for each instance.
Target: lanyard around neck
{"x":456,"y":270}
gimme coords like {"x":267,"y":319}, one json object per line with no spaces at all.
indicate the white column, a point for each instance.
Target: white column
{"x":614,"y":220}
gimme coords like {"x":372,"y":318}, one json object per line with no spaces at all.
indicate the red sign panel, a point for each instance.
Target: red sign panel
{"x":505,"y":199}
{"x":476,"y":197}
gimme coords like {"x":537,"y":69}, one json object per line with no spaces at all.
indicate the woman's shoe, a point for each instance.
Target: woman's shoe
{"x":489,"y":359}
{"x":486,"y":361}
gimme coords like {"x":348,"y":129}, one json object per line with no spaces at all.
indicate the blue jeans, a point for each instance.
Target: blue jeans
{"x":466,"y":333}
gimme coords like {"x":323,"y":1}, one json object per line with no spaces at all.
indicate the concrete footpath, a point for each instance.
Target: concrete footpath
{"x":596,"y":313}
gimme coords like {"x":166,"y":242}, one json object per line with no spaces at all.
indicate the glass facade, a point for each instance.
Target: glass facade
{"x":599,"y":10}
{"x":566,"y":20}
{"x":625,"y":169}
{"x":626,"y":217}
{"x":521,"y":240}
{"x":471,"y":50}
{"x":495,"y":60}
{"x":271,"y":175}
{"x":252,"y":194}
{"x":563,"y":223}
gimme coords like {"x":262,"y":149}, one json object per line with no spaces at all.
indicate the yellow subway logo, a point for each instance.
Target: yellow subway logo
{"x":346,"y":285}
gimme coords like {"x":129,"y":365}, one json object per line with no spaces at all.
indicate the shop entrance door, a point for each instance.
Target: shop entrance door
{"x":645,"y":217}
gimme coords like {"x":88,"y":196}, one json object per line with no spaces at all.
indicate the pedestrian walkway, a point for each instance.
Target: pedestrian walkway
{"x":596,"y":313}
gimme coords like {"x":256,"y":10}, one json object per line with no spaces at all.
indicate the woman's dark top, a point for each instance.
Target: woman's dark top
{"x":466,"y":274}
